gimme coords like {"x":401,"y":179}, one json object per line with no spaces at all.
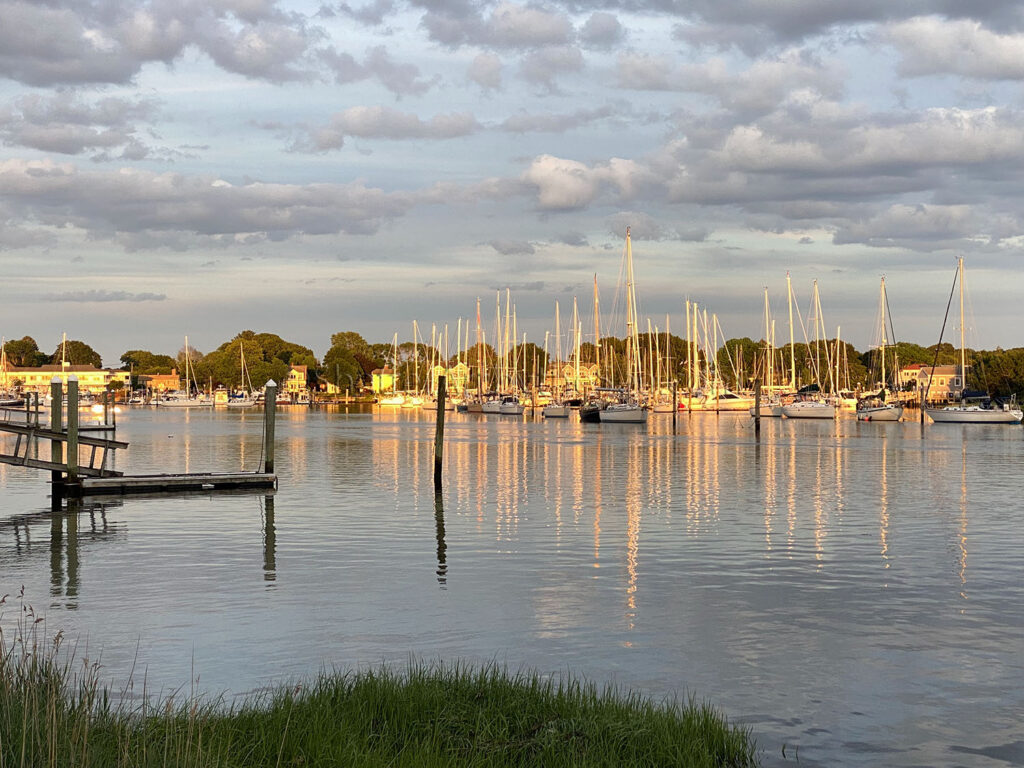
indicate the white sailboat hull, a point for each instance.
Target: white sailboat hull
{"x":243,"y":402}
{"x":767,"y":411}
{"x":617,"y":413}
{"x":556,"y":411}
{"x":511,"y":409}
{"x":973,"y":414}
{"x":881,"y":413}
{"x":809,"y":409}
{"x":491,"y":406}
{"x":191,"y":403}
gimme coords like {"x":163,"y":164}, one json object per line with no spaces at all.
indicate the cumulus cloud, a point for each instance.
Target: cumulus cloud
{"x":755,"y":90}
{"x":46,"y":44}
{"x":563,"y":184}
{"x":371,"y":14}
{"x":383,"y":123}
{"x":919,"y":227}
{"x":509,"y":25}
{"x":930,"y":45}
{"x":643,"y":226}
{"x":602,"y":31}
{"x":545,"y":66}
{"x":67,"y":124}
{"x":104,"y":296}
{"x":401,"y":79}
{"x":485,"y":71}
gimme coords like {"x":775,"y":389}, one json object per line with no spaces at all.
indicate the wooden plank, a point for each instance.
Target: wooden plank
{"x":176,"y":483}
{"x":24,"y":461}
{"x":46,"y":434}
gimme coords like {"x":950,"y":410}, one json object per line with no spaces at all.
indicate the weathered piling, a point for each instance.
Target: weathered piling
{"x":72,"y":462}
{"x":56,"y":425}
{"x":269,"y":414}
{"x":757,"y":408}
{"x":442,"y":392}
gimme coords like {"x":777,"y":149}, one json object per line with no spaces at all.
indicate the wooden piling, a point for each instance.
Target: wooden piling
{"x":72,"y":460}
{"x":56,"y":425}
{"x":757,"y":408}
{"x":269,"y":414}
{"x":106,"y":408}
{"x":439,"y":431}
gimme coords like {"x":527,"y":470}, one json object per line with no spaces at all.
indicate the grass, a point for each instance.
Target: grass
{"x":55,"y":712}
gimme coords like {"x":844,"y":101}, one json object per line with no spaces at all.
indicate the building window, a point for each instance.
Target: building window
{"x":955,"y":381}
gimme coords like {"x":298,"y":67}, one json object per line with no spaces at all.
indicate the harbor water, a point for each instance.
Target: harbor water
{"x":852,"y":592}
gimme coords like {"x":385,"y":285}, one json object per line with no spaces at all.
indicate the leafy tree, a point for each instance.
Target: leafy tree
{"x":77,"y":353}
{"x":24,"y":353}
{"x":339,"y":365}
{"x":144,"y":362}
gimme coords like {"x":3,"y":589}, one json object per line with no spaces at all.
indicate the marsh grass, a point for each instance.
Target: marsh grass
{"x":54,"y":711}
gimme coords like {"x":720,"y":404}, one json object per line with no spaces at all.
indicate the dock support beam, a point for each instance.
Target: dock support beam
{"x":269,"y":414}
{"x":442,"y":391}
{"x":56,"y":425}
{"x":72,"y":462}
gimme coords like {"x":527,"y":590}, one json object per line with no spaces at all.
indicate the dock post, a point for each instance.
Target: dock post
{"x":442,"y":391}
{"x":56,"y":425}
{"x":72,"y":461}
{"x":757,"y":408}
{"x":269,"y":414}
{"x":106,"y":407}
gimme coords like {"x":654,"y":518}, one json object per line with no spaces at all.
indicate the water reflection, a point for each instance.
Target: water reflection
{"x":269,"y":541}
{"x":442,"y":547}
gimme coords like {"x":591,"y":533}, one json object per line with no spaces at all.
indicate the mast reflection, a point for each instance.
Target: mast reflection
{"x":269,"y":541}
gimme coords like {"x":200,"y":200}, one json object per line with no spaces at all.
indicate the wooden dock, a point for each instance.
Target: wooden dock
{"x":198,"y":482}
{"x":70,"y":477}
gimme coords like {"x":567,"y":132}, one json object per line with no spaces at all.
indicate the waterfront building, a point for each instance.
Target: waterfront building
{"x":91,"y":380}
{"x":296,"y":382}
{"x":382,"y":380}
{"x":946,"y":383}
{"x":456,"y":378}
{"x":160,"y":382}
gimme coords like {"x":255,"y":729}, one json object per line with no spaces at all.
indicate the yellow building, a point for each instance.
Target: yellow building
{"x":456,"y":378}
{"x":383,"y":380}
{"x":91,"y":380}
{"x":160,"y":382}
{"x":295,"y":383}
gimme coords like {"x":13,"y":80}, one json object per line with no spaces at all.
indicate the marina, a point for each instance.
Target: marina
{"x":845,"y":587}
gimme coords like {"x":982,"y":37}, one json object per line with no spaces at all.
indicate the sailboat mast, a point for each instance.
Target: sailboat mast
{"x":792,"y":348}
{"x":597,"y":333}
{"x":883,"y":335}
{"x":963,"y":346}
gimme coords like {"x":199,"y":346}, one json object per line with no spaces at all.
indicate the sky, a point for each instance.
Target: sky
{"x":201,"y":167}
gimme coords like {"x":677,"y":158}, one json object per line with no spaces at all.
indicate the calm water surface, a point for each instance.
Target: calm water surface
{"x":852,"y":590}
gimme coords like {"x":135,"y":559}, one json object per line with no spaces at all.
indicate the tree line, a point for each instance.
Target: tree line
{"x":351,"y":359}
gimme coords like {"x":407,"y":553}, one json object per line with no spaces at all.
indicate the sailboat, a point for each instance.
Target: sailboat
{"x":874,"y":407}
{"x":248,"y":399}
{"x":629,"y":410}
{"x":965,"y":413}
{"x":808,"y":403}
{"x":557,"y":409}
{"x":186,"y":399}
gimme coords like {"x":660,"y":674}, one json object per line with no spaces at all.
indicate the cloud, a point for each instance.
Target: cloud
{"x":602,"y":31}
{"x":645,"y":227}
{"x":931,"y":45}
{"x":371,"y":14}
{"x":66,"y":124}
{"x":512,"y":247}
{"x":485,"y":71}
{"x":43,"y":44}
{"x":756,"y":90}
{"x":555,"y":123}
{"x":919,"y":227}
{"x":563,"y":184}
{"x":95,"y":296}
{"x":400,"y":79}
{"x":509,"y":26}
{"x":383,"y":123}
{"x":545,"y":66}
{"x":575,"y":239}
{"x":52,"y":195}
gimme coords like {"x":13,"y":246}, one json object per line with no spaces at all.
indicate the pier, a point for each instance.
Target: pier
{"x":70,"y":477}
